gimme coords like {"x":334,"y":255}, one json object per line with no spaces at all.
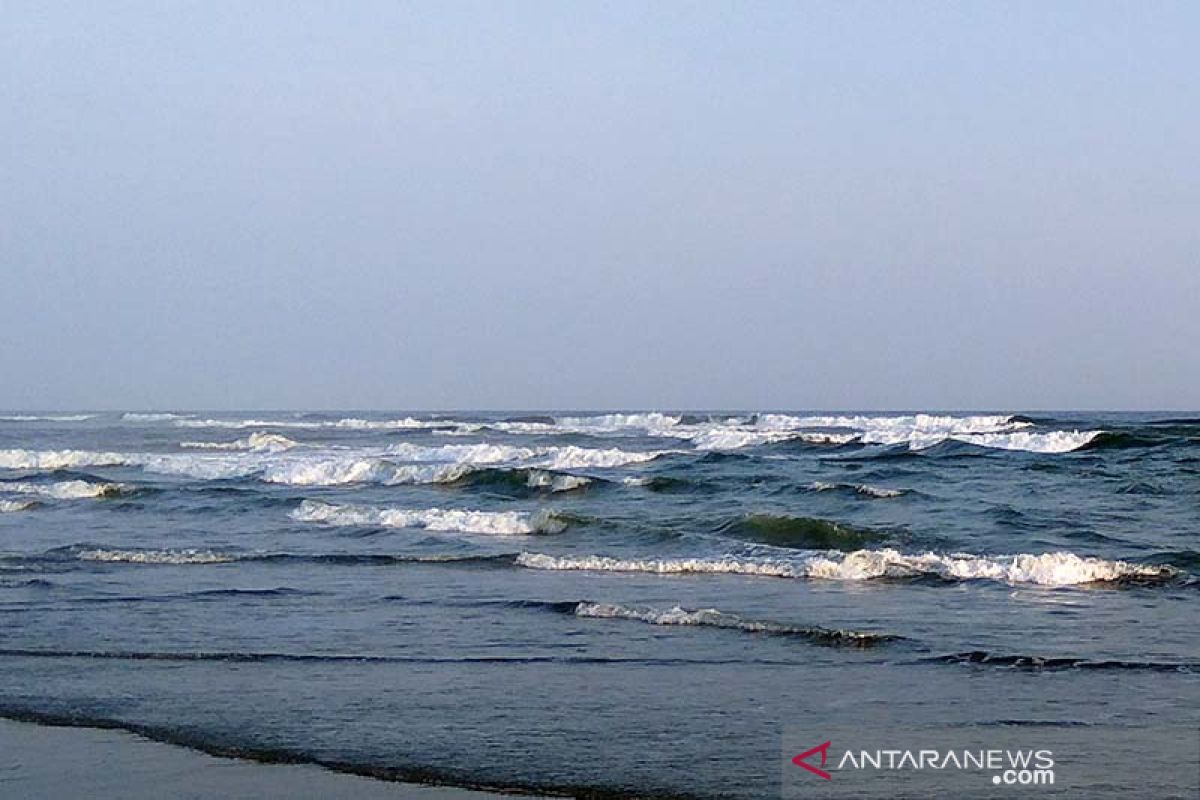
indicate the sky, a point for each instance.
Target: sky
{"x":586,"y":205}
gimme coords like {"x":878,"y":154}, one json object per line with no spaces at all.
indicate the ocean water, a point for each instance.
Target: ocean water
{"x":608,"y":605}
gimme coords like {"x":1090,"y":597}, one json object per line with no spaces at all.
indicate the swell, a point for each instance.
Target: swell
{"x":101,"y":554}
{"x":266,"y":657}
{"x":1046,"y":663}
{"x":712,"y":618}
{"x":1047,"y":569}
{"x":807,"y":533}
{"x":225,"y":747}
{"x":1124,"y":440}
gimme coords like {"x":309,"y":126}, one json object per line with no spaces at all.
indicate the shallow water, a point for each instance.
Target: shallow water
{"x":636,"y":604}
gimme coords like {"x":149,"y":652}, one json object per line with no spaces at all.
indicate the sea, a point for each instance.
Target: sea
{"x":617,"y":605}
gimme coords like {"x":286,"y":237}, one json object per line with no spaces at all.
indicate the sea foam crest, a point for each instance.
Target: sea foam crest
{"x":496,"y":523}
{"x":58,"y":459}
{"x":47,"y":417}
{"x":66,"y":490}
{"x":152,"y":416}
{"x":712,"y":618}
{"x":1048,"y":569}
{"x":861,"y":488}
{"x":349,"y":423}
{"x":258,"y":441}
{"x":679,"y":616}
{"x":12,"y":506}
{"x":184,"y":556}
{"x":554,"y":458}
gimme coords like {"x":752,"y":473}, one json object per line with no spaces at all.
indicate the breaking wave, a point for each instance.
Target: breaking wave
{"x":47,"y":417}
{"x":269,"y":459}
{"x":257,"y":441}
{"x":183,"y":556}
{"x":711,"y":617}
{"x":808,"y":533}
{"x":13,"y":506}
{"x":859,"y":488}
{"x":58,"y":459}
{"x":350,"y":423}
{"x":1049,"y":569}
{"x":67,"y":490}
{"x":498,"y":523}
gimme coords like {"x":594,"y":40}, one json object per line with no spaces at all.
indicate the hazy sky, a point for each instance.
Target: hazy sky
{"x":591,"y":205}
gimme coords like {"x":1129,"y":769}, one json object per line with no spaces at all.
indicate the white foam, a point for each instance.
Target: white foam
{"x":339,"y":471}
{"x":58,"y":459}
{"x":65,"y":490}
{"x":259,"y":441}
{"x":1048,"y":569}
{"x":350,"y":423}
{"x":540,"y":479}
{"x":496,"y":523}
{"x":665,"y":566}
{"x":554,"y":458}
{"x":735,"y":438}
{"x":47,"y":417}
{"x":613,"y":422}
{"x":462,"y":453}
{"x":677,"y":615}
{"x":186,"y":556}
{"x":861,"y":488}
{"x":152,"y":416}
{"x":560,"y":458}
{"x":11,"y":506}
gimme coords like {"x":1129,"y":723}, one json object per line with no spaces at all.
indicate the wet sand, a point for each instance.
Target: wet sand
{"x":40,"y":762}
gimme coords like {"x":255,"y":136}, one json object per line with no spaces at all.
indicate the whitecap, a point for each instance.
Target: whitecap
{"x":497,"y":523}
{"x":184,"y":556}
{"x":1048,"y":569}
{"x":65,"y":490}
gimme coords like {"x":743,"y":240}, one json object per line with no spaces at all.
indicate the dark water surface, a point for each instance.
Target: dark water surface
{"x":640,"y":604}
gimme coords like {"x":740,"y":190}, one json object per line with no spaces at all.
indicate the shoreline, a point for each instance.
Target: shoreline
{"x":42,"y":756}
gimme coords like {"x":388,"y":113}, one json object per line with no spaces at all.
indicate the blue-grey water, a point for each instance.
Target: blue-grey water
{"x":599,"y":604}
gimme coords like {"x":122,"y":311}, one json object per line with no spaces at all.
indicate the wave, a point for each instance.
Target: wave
{"x":58,"y":459}
{"x":919,"y":431}
{"x":858,"y":488}
{"x":271,"y":462}
{"x":183,"y":556}
{"x":14,"y":506}
{"x":1038,"y":663}
{"x":521,"y":481}
{"x":257,"y":441}
{"x":499,"y":523}
{"x":67,"y":490}
{"x":201,"y":557}
{"x":1049,"y":569}
{"x":1122,"y":440}
{"x":554,"y":458}
{"x":738,"y":438}
{"x":349,"y":423}
{"x":662,"y":483}
{"x":152,"y":416}
{"x":1048,"y":442}
{"x":711,"y":617}
{"x":47,"y":417}
{"x":808,"y":533}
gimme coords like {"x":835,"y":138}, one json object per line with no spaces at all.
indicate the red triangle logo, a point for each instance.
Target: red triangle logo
{"x":823,"y":749}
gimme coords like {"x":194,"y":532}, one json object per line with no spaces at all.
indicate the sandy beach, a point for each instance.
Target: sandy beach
{"x":38,"y":761}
